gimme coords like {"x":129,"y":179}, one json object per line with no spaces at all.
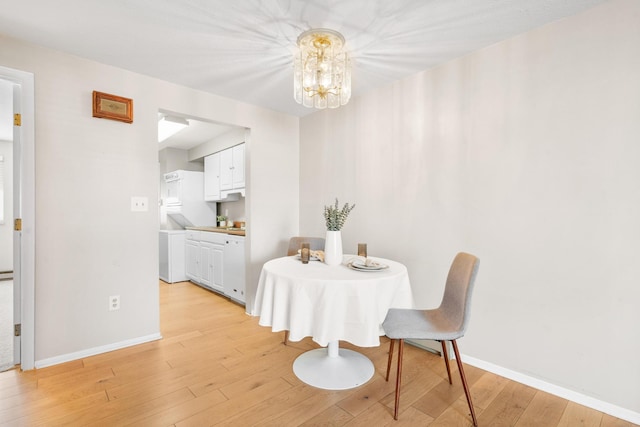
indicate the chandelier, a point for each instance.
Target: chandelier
{"x":322,"y":71}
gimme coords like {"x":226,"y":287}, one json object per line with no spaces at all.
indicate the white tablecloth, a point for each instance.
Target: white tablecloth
{"x":330,"y":303}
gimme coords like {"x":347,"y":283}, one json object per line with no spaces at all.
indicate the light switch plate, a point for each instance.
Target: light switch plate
{"x":139,"y":204}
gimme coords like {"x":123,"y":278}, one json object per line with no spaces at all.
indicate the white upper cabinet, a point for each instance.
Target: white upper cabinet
{"x":237,"y":167}
{"x":224,"y":171}
{"x":232,"y":168}
{"x":212,"y":177}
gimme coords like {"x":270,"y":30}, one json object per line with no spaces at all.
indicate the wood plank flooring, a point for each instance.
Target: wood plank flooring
{"x":217,"y":366}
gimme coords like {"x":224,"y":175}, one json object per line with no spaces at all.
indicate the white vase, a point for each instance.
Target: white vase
{"x":333,"y":248}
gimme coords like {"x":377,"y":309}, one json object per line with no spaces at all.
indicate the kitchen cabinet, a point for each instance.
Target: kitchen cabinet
{"x":212,"y":177}
{"x":224,"y":173}
{"x":211,"y":265}
{"x":192,"y":257}
{"x":216,"y":261}
{"x":204,"y":253}
{"x":232,"y":168}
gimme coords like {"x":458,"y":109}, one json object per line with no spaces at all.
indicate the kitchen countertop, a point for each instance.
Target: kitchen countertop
{"x":234,"y":231}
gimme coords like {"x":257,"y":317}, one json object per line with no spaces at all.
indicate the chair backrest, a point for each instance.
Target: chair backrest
{"x":456,"y":302}
{"x":315,"y":244}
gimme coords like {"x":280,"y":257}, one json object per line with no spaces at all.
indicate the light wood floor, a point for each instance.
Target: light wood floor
{"x":216,"y":366}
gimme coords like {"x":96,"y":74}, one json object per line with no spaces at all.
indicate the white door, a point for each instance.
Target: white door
{"x":217,"y":254}
{"x":21,"y":102}
{"x":17,"y":237}
{"x":206,"y":264}
{"x":226,"y":169}
{"x":192,"y":255}
{"x":238,"y":166}
{"x":6,"y":225}
{"x":212,"y":177}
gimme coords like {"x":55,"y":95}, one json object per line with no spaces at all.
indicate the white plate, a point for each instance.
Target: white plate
{"x":311,"y":258}
{"x":360,"y":266}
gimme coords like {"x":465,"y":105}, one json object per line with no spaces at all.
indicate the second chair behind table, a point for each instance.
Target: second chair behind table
{"x":315,"y":244}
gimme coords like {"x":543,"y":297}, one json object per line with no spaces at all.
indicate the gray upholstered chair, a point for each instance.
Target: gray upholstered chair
{"x":315,"y":244}
{"x":445,"y":323}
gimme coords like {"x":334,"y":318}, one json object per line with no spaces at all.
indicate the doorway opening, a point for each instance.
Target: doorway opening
{"x":6,"y":230}
{"x":17,"y":255}
{"x":202,"y":187}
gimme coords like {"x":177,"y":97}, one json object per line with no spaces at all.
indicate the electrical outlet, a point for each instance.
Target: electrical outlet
{"x":139,"y":204}
{"x":114,"y":302}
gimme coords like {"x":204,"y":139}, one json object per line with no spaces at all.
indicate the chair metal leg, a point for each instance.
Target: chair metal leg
{"x":464,"y":382}
{"x":398,"y":378}
{"x":445,"y":354}
{"x":286,"y":337}
{"x":392,"y":341}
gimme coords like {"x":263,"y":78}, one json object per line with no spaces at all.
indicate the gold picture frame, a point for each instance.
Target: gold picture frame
{"x":112,"y":107}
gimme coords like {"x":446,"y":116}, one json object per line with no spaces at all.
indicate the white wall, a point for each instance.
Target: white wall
{"x":89,"y":245}
{"x":172,"y":159}
{"x":526,"y":154}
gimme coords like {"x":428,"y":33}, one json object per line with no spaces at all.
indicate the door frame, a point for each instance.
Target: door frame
{"x":24,"y":193}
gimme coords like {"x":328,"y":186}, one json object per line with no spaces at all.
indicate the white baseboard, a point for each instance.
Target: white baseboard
{"x":96,"y":350}
{"x":573,"y":396}
{"x":428,"y":345}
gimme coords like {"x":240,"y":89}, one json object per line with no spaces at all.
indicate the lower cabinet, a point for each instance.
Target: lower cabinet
{"x":192,"y":259}
{"x":204,"y":256}
{"x":211,"y":256}
{"x":207,"y":257}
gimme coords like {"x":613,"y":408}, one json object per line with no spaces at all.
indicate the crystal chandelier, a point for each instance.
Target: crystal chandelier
{"x":322,"y":71}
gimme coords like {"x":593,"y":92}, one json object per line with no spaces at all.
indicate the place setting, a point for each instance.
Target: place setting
{"x":364,"y":263}
{"x":332,"y":255}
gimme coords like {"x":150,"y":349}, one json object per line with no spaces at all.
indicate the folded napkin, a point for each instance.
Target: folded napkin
{"x":371,"y":263}
{"x":317,"y":254}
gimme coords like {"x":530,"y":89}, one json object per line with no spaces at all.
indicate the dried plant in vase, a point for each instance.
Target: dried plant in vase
{"x":336,"y":217}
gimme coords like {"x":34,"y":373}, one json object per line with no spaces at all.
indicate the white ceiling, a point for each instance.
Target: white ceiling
{"x":242,"y":49}
{"x":198,"y":132}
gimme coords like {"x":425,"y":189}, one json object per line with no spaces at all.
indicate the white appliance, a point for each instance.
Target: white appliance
{"x":172,"y":250}
{"x":233,"y":268}
{"x":185,"y":199}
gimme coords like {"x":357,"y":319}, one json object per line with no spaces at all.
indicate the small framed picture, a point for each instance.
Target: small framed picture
{"x":112,"y":107}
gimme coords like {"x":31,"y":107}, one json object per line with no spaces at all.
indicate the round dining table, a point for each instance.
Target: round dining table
{"x":330,"y":304}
